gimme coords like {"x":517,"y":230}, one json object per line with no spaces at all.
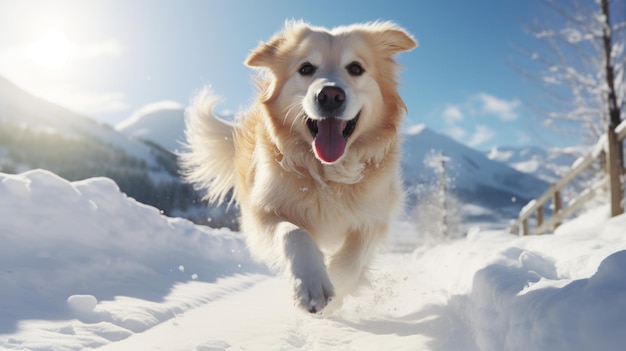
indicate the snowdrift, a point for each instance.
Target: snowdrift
{"x":61,"y":239}
{"x":83,"y":266}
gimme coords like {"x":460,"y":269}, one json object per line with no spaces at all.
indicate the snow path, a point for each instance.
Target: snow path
{"x":262,"y":317}
{"x":492,"y":291}
{"x":82,"y":267}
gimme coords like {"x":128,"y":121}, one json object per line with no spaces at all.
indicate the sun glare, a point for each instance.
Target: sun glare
{"x":51,"y":51}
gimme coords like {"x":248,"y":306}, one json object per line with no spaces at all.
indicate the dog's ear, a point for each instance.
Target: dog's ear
{"x":392,"y":39}
{"x":398,"y":40}
{"x":265,"y":53}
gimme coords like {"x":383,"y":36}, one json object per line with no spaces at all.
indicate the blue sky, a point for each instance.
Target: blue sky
{"x":107,"y":58}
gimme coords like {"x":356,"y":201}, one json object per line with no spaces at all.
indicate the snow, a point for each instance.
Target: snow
{"x":82,"y":303}
{"x":415,"y":129}
{"x":82,"y":266}
{"x":160,"y":122}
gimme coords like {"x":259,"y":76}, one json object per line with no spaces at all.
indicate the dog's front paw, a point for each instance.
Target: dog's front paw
{"x":313,"y":291}
{"x":305,"y":263}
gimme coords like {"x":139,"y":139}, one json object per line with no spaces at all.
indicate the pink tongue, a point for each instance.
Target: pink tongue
{"x":329,"y":142}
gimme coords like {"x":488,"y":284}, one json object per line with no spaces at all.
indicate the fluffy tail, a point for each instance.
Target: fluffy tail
{"x":208,"y":162}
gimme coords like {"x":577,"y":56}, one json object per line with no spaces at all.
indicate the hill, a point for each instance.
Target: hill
{"x":35,"y":133}
{"x":161,"y":122}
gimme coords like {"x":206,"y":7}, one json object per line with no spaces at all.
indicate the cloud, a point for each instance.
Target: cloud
{"x":452,"y":114}
{"x":474,"y":121}
{"x":481,"y":135}
{"x":504,"y":109}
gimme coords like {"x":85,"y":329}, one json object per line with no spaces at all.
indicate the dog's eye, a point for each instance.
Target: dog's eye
{"x":355,"y":69}
{"x":306,"y":69}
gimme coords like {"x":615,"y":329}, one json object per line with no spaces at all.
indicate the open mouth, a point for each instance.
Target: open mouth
{"x":346,"y":131}
{"x":330,"y":136}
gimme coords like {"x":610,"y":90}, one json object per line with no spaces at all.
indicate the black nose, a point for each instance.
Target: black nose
{"x":330,"y":99}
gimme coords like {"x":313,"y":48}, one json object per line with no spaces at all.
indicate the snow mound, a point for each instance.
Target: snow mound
{"x":514,"y":306}
{"x":82,"y":303}
{"x":68,"y":247}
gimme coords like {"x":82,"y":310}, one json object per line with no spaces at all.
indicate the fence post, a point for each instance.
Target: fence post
{"x":539,"y":216}
{"x":614,"y":172}
{"x":557,"y":204}
{"x":525,"y":226}
{"x":515,"y":228}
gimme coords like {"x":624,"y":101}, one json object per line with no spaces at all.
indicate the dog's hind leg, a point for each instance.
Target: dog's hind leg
{"x":348,"y":266}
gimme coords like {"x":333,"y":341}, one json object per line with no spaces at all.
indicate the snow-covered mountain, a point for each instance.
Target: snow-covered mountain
{"x":485,"y":184}
{"x":546,"y":164}
{"x":35,"y":133}
{"x":19,"y":108}
{"x":487,"y":187}
{"x":161,"y":122}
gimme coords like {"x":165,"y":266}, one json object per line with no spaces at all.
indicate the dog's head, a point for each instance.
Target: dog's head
{"x":332,"y":88}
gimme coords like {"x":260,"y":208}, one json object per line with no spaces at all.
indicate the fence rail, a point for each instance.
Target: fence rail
{"x":608,"y":146}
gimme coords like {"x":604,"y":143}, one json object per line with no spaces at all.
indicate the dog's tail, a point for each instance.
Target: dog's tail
{"x":208,"y":162}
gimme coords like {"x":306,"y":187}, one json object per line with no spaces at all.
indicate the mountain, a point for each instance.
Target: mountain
{"x":18,"y":107}
{"x":161,"y":122}
{"x":35,"y":133}
{"x":487,"y":190}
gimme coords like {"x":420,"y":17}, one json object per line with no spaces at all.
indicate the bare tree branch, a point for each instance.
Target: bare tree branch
{"x":579,"y":64}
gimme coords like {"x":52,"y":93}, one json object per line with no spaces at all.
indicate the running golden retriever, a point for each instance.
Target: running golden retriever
{"x":314,"y":163}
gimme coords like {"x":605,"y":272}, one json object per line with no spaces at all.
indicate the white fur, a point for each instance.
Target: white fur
{"x":210,"y":165}
{"x":318,"y":222}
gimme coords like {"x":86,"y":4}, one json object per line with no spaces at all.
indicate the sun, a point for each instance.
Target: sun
{"x":51,"y":51}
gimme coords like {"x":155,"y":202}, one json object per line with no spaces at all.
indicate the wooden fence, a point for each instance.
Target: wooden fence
{"x":608,"y":147}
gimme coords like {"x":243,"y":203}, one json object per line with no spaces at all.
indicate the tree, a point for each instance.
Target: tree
{"x":580,"y":62}
{"x":437,"y":213}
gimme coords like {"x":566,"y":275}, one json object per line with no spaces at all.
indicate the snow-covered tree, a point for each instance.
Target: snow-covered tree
{"x":437,"y":213}
{"x":580,"y":60}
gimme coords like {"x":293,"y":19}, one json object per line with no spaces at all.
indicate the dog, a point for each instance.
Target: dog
{"x":314,"y":162}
